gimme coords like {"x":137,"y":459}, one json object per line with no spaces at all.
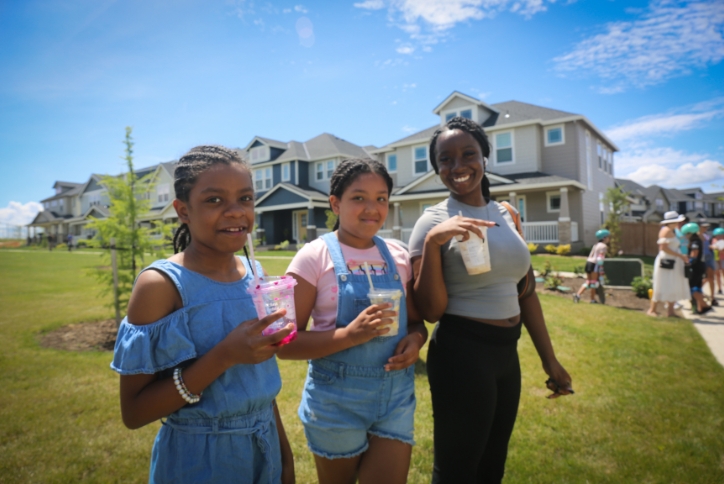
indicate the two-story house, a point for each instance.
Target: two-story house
{"x":553,"y":165}
{"x":291,"y":181}
{"x":639,"y":206}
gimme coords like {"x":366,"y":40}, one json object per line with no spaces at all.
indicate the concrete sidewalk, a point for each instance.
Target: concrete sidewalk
{"x":710,"y":326}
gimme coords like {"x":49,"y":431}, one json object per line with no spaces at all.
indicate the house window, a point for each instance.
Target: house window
{"x":330,"y":168}
{"x":449,"y":116}
{"x":553,"y":201}
{"x":259,"y":154}
{"x":286,"y":172}
{"x":504,"y":147}
{"x":589,"y":162}
{"x":392,"y":163}
{"x":467,"y":113}
{"x":554,"y":136}
{"x":262,"y":179}
{"x":420,"y":160}
{"x":319,"y":171}
{"x":324,"y":169}
{"x":162,"y":191}
{"x":599,"y":149}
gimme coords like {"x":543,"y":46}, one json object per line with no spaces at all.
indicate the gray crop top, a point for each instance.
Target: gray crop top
{"x":491,"y":295}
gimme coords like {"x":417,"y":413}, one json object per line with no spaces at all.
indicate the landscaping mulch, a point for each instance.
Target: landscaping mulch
{"x":619,"y":298}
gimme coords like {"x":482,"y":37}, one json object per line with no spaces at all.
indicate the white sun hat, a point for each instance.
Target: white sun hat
{"x":672,"y":217}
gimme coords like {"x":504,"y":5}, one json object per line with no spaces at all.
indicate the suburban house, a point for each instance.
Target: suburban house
{"x":75,"y":204}
{"x":554,"y":166}
{"x":639,"y":206}
{"x":291,"y":181}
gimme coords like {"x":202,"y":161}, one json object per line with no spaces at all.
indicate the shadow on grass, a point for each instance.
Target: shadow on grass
{"x":420,"y":367}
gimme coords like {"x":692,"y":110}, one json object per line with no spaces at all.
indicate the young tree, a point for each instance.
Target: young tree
{"x":129,"y":203}
{"x":618,"y":203}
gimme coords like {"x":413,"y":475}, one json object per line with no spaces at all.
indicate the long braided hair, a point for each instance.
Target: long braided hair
{"x":190,"y":166}
{"x":473,"y":129}
{"x":349,"y":170}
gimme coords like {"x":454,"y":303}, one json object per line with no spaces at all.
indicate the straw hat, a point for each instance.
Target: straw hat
{"x":672,"y":217}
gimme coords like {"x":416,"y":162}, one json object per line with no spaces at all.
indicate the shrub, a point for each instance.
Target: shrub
{"x":553,"y":281}
{"x":546,"y":269}
{"x":579,"y":270}
{"x":641,"y":286}
{"x":282,"y":246}
{"x":551,"y":249}
{"x":563,"y":249}
{"x":532,"y":248}
{"x":584,"y":250}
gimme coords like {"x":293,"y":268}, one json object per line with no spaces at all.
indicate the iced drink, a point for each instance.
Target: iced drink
{"x":475,"y":252}
{"x":270,"y":294}
{"x":381,"y":296}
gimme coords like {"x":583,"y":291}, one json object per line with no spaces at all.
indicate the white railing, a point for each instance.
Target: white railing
{"x":406,"y":235}
{"x":385,"y":233}
{"x":537,"y":232}
{"x":574,"y":231}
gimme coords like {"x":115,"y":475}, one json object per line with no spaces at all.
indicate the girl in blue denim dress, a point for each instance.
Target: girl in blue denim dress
{"x":358,"y":402}
{"x":191,"y":350}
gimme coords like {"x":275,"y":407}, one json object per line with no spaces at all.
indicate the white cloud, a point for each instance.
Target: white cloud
{"x":428,"y":21}
{"x":405,"y":49}
{"x":17,"y":213}
{"x":409,"y":129}
{"x":685,"y":175}
{"x":660,"y":124}
{"x":300,"y":9}
{"x":670,"y":38}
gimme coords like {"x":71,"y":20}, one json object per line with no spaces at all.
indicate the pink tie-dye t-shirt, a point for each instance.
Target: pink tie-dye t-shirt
{"x":314,"y":264}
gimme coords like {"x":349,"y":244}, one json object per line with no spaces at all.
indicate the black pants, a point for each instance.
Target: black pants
{"x":474,"y":376}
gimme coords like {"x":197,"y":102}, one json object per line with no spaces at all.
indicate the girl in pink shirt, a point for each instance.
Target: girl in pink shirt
{"x":358,"y":403}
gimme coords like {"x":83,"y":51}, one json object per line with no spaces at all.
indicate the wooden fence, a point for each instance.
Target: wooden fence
{"x":639,"y":238}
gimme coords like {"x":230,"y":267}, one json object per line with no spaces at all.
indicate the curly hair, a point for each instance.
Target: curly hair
{"x":348,"y":171}
{"x":473,"y":129}
{"x":190,"y":166}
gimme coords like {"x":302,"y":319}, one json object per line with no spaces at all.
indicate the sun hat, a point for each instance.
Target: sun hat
{"x":672,"y":217}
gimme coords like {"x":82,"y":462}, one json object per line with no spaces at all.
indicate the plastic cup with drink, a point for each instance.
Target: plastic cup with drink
{"x":475,"y":251}
{"x":382,"y":296}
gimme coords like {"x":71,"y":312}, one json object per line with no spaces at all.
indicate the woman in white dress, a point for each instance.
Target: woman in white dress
{"x":669,"y":282}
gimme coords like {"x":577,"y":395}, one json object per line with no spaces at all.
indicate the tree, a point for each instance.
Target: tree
{"x":128,"y":203}
{"x":331,"y":219}
{"x":618,"y":203}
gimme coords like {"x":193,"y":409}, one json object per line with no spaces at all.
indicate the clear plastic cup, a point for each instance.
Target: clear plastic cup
{"x":271,"y":294}
{"x":475,"y":252}
{"x":381,"y":296}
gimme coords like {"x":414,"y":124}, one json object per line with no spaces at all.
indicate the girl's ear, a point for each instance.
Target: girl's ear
{"x":182,"y":211}
{"x":334,"y":203}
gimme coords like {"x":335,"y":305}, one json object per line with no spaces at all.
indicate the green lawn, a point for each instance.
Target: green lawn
{"x":569,"y":262}
{"x":649,"y":403}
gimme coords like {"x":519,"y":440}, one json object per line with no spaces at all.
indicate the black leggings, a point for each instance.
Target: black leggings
{"x":474,"y":376}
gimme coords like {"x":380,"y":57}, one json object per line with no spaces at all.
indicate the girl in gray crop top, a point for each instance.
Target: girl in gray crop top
{"x":472,"y":363}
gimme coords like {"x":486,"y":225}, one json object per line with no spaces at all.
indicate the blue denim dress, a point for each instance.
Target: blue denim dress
{"x":231,"y":434}
{"x":348,"y":395}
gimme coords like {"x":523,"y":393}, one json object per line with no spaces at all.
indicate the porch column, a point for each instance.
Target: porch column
{"x":513,"y":200}
{"x":311,"y":227}
{"x":396,"y":228}
{"x":564,"y":219}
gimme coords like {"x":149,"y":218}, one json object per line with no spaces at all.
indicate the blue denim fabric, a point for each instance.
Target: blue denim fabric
{"x":230,"y":435}
{"x":349,"y":394}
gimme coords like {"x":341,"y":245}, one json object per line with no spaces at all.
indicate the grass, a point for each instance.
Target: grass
{"x":649,"y":403}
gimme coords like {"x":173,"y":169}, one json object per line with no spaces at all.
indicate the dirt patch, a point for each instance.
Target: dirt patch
{"x":619,"y":298}
{"x":101,"y":335}
{"x":97,"y":336}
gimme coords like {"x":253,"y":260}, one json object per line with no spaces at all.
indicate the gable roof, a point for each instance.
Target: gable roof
{"x":630,"y":186}
{"x":467,"y":98}
{"x":323,"y":146}
{"x":516,"y":112}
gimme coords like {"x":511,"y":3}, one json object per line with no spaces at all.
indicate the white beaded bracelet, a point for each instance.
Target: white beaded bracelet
{"x":181,"y":387}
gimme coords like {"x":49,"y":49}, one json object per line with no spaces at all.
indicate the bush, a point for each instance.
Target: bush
{"x":550,"y":248}
{"x":282,"y":246}
{"x":546,"y":269}
{"x":552,"y":282}
{"x":563,"y":249}
{"x":579,"y":270}
{"x":532,"y":248}
{"x":641,"y":286}
{"x":585,"y":250}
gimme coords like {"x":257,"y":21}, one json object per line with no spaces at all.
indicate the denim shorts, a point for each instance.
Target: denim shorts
{"x":710,"y":263}
{"x":342,"y":404}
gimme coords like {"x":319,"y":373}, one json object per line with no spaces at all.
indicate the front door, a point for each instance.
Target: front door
{"x":299,"y":225}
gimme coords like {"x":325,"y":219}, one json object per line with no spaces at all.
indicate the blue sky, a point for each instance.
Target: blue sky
{"x":74,"y":74}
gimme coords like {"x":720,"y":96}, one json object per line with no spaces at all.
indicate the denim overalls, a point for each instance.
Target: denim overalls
{"x":348,"y":394}
{"x":230,"y":435}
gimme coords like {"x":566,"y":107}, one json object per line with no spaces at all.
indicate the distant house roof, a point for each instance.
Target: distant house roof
{"x":325,"y":145}
{"x":516,"y":112}
{"x":630,"y":186}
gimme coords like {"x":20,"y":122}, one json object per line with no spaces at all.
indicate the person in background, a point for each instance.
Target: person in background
{"x":594,"y":265}
{"x":717,"y":245}
{"x":698,"y":269}
{"x":709,"y":263}
{"x":669,"y":282}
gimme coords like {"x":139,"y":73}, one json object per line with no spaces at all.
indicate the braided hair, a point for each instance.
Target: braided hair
{"x":348,"y":171}
{"x":473,"y":129}
{"x":190,"y":166}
